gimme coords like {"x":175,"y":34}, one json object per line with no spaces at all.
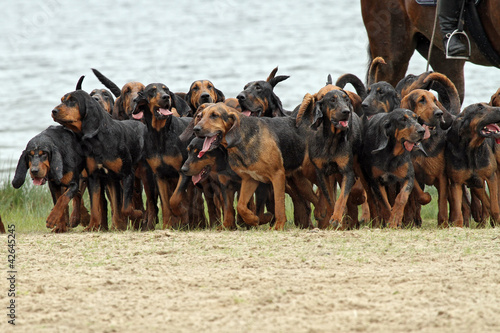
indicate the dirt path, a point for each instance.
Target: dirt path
{"x":257,"y":281}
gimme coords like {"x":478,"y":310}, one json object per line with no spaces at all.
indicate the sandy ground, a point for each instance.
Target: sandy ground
{"x":257,"y":281}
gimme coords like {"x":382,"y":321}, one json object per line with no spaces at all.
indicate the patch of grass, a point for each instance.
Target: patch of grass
{"x":29,"y":206}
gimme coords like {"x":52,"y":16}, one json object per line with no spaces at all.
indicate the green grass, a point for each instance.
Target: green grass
{"x":29,"y":205}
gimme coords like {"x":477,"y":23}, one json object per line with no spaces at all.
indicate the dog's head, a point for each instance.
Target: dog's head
{"x":217,"y":124}
{"x":124,"y":104}
{"x":258,"y":98}
{"x":104,"y":98}
{"x":477,"y":122}
{"x":155,"y":106}
{"x":40,"y":157}
{"x":203,"y":91}
{"x":428,"y":109}
{"x":382,"y":97}
{"x":199,"y":164}
{"x":400,"y":127}
{"x":336,"y":110}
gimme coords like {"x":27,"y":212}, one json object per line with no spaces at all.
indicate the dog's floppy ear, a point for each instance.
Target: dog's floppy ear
{"x":305,"y":109}
{"x":187,"y":98}
{"x":220,"y":95}
{"x":56,"y":163}
{"x":408,"y":103}
{"x":233,"y":136}
{"x":386,"y":128}
{"x":21,"y":169}
{"x":275,"y":80}
{"x":318,"y":115}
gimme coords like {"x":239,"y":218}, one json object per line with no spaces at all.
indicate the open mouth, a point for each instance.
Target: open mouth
{"x":409,"y":146}
{"x":251,"y":113}
{"x":39,"y":181}
{"x":491,"y":130}
{"x":138,"y":115}
{"x":210,"y":143}
{"x":202,"y":175}
{"x":162,"y":113}
{"x":341,"y":124}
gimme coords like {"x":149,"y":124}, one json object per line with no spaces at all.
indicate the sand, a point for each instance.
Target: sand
{"x":368,"y":280}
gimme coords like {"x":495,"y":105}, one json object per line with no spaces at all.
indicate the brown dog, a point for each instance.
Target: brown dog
{"x":259,"y":150}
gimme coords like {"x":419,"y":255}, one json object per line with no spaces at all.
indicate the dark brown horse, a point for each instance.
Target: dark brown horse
{"x":396,"y":28}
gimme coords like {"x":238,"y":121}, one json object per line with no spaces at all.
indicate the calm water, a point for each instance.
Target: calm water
{"x":47,"y":44}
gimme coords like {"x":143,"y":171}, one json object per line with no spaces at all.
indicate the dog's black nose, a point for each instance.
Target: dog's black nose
{"x":197,"y":129}
{"x":165,"y":96}
{"x":34,"y":169}
{"x":184,"y":169}
{"x":438,"y":113}
{"x":241,"y":97}
{"x":346,"y":111}
{"x":55,"y":112}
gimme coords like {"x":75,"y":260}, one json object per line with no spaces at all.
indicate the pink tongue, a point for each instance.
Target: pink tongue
{"x":206,"y":145}
{"x":38,"y":181}
{"x":409,"y":146}
{"x":138,"y":115}
{"x":427,"y":133}
{"x":165,"y":112}
{"x":493,"y":128}
{"x":247,"y":113}
{"x":497,"y":140}
{"x":196,"y":178}
{"x":344,"y":123}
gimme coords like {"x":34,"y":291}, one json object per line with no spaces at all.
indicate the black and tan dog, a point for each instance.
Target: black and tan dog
{"x":212,"y":165}
{"x":105,"y":98}
{"x":386,"y":162}
{"x":259,"y":150}
{"x":165,"y":152}
{"x":471,"y":144}
{"x":112,"y":149}
{"x":54,"y":156}
{"x":200,"y":92}
{"x":258,"y":98}
{"x":332,"y":149}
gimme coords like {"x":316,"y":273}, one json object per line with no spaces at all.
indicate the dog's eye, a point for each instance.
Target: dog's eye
{"x":257,"y":87}
{"x":214,"y":116}
{"x":422,"y":101}
{"x":196,"y":88}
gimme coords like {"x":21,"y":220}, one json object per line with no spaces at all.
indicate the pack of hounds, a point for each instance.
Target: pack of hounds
{"x":192,"y":155}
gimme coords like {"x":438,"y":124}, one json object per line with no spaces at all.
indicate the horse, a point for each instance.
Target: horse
{"x":396,"y":28}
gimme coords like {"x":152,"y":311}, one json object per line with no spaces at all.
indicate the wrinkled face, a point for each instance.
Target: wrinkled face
{"x":337,"y":107}
{"x":212,"y":123}
{"x":104,"y":98}
{"x":158,"y":99}
{"x":495,"y":98}
{"x":38,"y":164}
{"x":425,"y":105}
{"x":129,"y":92}
{"x":408,"y":131}
{"x":254,"y":99}
{"x":202,"y":91}
{"x":382,"y":97}
{"x":68,"y":113}
{"x":199,"y":164}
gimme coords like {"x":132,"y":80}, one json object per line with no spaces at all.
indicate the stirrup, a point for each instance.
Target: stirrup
{"x":456,"y":34}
